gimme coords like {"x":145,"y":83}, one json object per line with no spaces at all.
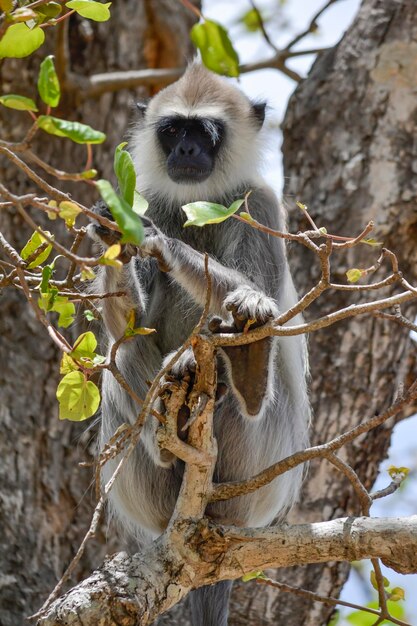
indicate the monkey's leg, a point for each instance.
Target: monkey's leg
{"x":210,"y":604}
{"x":249,"y":367}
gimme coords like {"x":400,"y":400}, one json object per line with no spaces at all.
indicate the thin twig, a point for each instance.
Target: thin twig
{"x":315,"y":597}
{"x":312,"y":27}
{"x":229,"y":490}
{"x":360,"y":490}
{"x":262,"y":27}
{"x":56,"y":337}
{"x":389,"y":490}
{"x":90,"y":261}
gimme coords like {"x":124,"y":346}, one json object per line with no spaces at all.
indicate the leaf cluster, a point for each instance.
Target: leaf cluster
{"x":25,"y":25}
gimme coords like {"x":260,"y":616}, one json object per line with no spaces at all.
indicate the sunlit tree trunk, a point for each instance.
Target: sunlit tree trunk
{"x":350,"y":155}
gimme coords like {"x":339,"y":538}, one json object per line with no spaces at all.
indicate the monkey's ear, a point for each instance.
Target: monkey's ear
{"x":258,"y":109}
{"x":142,"y":105}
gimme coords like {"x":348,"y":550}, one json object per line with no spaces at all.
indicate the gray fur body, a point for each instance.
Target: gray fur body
{"x":249,"y":269}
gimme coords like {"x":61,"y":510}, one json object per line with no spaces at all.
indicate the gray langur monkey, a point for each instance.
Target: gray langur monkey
{"x":199,"y":139}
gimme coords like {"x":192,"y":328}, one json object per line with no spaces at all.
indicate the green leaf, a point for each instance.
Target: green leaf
{"x":87,"y":273}
{"x":354,"y":275}
{"x":77,"y":132}
{"x":67,"y":364}
{"x":35,"y":242}
{"x":46,"y":299}
{"x":131,"y":331}
{"x":95,"y":11}
{"x":6,"y":5}
{"x":246,"y":216}
{"x":394,"y":472}
{"x":85,"y":350}
{"x":139,"y":330}
{"x":396,"y":610}
{"x":253,"y":575}
{"x":53,"y":214}
{"x":50,"y":301}
{"x":99,"y":359}
{"x":397,"y":594}
{"x":78,"y":397}
{"x":84,"y":345}
{"x":301,"y":206}
{"x":125,"y":172}
{"x":68,"y":211}
{"x":20,"y":103}
{"x":19,"y":41}
{"x":251,"y":20}
{"x":202,"y":213}
{"x":47,"y":272}
{"x":65,"y":309}
{"x":372,"y":578}
{"x":50,"y":10}
{"x":360,"y":618}
{"x":371,"y":242}
{"x":89,"y":315}
{"x":87,"y":174}
{"x":129,"y":223}
{"x":110,"y":256}
{"x":216,"y":49}
{"x":48,"y":83}
{"x":140,"y":204}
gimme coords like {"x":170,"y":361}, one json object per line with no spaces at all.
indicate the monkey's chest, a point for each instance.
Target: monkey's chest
{"x":172,"y":313}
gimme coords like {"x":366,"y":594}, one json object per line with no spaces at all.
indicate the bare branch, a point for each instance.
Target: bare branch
{"x":121,"y":586}
{"x":225,"y":491}
{"x":315,"y":597}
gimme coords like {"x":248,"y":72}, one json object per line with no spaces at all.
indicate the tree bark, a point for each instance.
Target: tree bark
{"x":45,"y":498}
{"x":349,"y":155}
{"x":131,"y":591}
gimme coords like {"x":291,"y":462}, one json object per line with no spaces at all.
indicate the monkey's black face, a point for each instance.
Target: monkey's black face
{"x":191,"y":146}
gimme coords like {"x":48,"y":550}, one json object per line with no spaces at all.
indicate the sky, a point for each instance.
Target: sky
{"x":276,"y":89}
{"x":270,"y":85}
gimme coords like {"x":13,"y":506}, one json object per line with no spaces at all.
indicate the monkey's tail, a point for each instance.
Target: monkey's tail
{"x":210,"y":604}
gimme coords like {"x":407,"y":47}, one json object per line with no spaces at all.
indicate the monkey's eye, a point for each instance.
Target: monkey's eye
{"x":171,"y":130}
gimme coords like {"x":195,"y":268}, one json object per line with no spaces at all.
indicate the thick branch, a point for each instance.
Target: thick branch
{"x":134,"y":590}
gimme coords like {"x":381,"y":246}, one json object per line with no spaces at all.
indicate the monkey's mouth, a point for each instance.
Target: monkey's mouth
{"x":188,"y":174}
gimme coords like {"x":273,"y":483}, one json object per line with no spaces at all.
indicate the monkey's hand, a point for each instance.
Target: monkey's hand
{"x":107,"y":237}
{"x":182,"y":373}
{"x":249,"y":306}
{"x":155,"y":244}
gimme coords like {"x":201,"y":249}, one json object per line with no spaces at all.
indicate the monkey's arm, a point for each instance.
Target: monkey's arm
{"x":250,"y":368}
{"x":231,"y":289}
{"x":110,"y":279}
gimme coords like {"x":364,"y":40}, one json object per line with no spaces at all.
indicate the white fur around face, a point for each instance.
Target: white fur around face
{"x":237,"y":162}
{"x":184,"y":110}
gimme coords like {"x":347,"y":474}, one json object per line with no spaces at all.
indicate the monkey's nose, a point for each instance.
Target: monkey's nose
{"x":188,"y":148}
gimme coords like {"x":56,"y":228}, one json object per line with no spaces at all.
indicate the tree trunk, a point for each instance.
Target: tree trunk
{"x":349,"y":155}
{"x":45,"y":498}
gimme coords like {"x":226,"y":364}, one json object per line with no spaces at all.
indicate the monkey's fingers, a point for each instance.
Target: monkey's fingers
{"x":217,"y":325}
{"x":238,"y":319}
